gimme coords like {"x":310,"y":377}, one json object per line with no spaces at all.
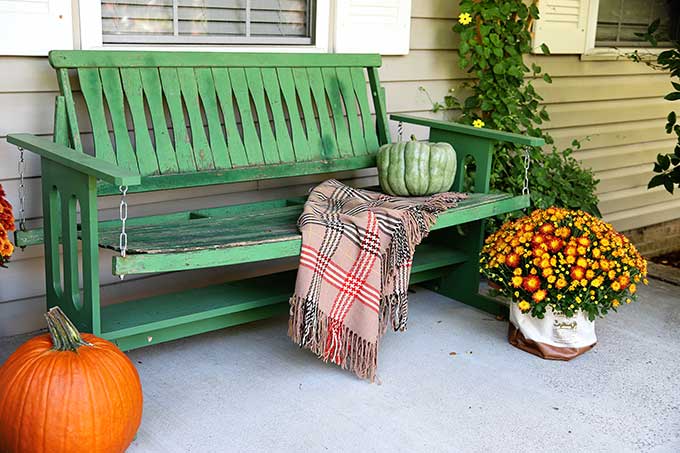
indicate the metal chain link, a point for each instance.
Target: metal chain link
{"x":123,"y":214}
{"x":22,"y":191}
{"x":400,"y":131}
{"x":527,"y":163}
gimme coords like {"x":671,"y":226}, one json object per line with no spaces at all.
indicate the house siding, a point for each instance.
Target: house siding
{"x":616,"y":105}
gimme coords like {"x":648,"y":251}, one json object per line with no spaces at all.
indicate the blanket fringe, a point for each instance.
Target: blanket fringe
{"x":333,"y":342}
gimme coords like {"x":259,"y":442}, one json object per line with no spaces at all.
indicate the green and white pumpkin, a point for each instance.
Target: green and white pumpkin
{"x":416,"y":168}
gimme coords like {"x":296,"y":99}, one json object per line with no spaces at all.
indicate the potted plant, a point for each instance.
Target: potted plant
{"x":561,"y":269}
{"x":6,"y":225}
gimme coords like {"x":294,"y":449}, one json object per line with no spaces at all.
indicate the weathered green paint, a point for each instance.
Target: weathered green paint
{"x":480,"y":132}
{"x":299,"y":115}
{"x":80,"y":162}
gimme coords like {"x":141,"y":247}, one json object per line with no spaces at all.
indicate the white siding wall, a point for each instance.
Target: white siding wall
{"x":617,"y":104}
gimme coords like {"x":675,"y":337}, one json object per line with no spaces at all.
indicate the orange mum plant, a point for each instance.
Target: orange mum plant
{"x":563,"y":259}
{"x":6,"y":225}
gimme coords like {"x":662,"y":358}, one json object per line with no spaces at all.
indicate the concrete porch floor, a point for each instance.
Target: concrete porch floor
{"x":250,"y":389}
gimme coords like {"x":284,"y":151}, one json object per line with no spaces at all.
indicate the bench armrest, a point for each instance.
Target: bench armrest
{"x":75,"y":160}
{"x":469,"y":130}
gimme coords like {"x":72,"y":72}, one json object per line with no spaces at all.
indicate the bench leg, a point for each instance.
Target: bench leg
{"x":462,"y":283}
{"x":64,"y":190}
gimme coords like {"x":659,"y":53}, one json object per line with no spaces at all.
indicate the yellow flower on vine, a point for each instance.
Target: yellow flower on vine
{"x":478,"y":123}
{"x":464,"y":18}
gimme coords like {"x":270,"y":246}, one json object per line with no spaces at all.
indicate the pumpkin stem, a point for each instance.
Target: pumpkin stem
{"x":65,"y":336}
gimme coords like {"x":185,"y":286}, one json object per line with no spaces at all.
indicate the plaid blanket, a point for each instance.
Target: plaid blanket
{"x":355,"y":262}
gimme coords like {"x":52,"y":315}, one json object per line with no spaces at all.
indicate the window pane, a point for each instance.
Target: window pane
{"x":619,"y":21}
{"x":207,"y":21}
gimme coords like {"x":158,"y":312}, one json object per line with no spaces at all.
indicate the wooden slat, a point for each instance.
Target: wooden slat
{"x":146,"y":157}
{"x":300,"y":143}
{"x":359,"y":83}
{"x":250,"y":138}
{"x":356,"y":132}
{"x":380,"y":108}
{"x":113,"y":91}
{"x":165,"y":153}
{"x":91,"y":87}
{"x":303,"y":90}
{"x":237,"y":153}
{"x":102,"y":58}
{"x":270,"y":150}
{"x":173,"y":97}
{"x":328,"y":141}
{"x":65,"y":86}
{"x":206,"y":89}
{"x":330,"y":79}
{"x":202,"y":152}
{"x":250,"y":173}
{"x":271,"y":86}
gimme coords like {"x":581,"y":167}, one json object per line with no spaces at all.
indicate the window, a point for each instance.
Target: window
{"x":215,"y":22}
{"x":619,"y":22}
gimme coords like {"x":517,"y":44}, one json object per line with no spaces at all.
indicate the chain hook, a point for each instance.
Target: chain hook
{"x":22,"y":190}
{"x":400,"y":131}
{"x":123,"y":215}
{"x":527,"y":163}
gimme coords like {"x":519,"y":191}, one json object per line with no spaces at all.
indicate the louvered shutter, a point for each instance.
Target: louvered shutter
{"x":562,"y":26}
{"x":381,"y":26}
{"x":34,"y":27}
{"x":206,"y":21}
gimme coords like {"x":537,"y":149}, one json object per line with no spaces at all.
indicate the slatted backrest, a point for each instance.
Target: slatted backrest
{"x":178,"y":117}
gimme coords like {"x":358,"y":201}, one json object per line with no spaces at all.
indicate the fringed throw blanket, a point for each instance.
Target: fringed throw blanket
{"x":357,"y":249}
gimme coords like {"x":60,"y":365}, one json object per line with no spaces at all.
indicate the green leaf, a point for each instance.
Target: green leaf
{"x":547,"y":78}
{"x":672,"y":96}
{"x":656,"y":181}
{"x":545,"y":49}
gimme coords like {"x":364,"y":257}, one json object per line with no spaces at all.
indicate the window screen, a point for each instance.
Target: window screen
{"x":207,"y":21}
{"x":619,"y":20}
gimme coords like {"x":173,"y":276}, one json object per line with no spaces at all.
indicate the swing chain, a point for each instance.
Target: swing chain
{"x":123,"y":214}
{"x":400,"y":131}
{"x":527,"y":163}
{"x":22,"y":191}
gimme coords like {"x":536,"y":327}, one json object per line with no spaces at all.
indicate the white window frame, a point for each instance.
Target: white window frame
{"x":610,"y":53}
{"x":90,"y":22}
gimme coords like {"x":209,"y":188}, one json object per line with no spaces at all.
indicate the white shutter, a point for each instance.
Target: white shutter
{"x":34,"y":27}
{"x":366,"y":26}
{"x":562,"y":26}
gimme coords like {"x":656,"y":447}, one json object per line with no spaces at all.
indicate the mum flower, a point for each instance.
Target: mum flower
{"x":531,"y":283}
{"x":477,"y":122}
{"x":524,"y":305}
{"x":539,"y":295}
{"x":465,"y":19}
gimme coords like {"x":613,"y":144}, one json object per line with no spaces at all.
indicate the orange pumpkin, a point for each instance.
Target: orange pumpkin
{"x":63,"y":392}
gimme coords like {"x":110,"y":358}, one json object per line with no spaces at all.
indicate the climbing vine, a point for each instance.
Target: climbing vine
{"x":495,"y":36}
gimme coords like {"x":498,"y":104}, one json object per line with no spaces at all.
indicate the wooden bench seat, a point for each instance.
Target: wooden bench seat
{"x":152,"y":121}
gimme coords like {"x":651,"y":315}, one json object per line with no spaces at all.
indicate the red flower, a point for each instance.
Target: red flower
{"x":531,"y":283}
{"x":555,"y":244}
